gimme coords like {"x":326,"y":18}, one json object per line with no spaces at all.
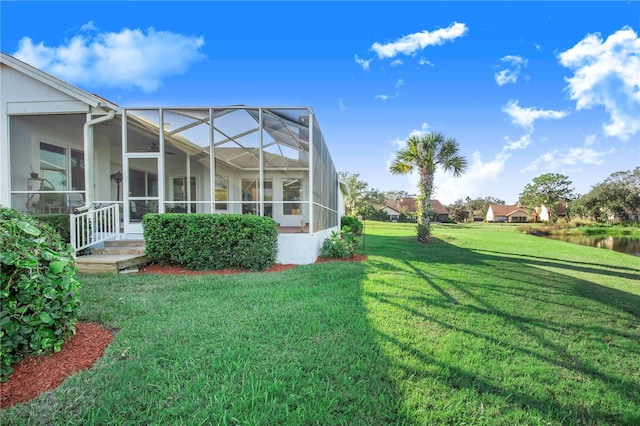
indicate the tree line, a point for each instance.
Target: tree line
{"x":616,"y":199}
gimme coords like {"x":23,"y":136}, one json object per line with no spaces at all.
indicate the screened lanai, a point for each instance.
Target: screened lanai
{"x":268,"y":161}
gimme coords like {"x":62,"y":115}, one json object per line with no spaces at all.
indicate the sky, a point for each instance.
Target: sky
{"x":525,"y":88}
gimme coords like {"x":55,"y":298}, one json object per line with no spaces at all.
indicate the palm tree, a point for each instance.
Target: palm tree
{"x":425,"y":154}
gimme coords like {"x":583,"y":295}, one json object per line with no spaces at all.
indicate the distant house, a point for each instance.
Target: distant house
{"x":407,"y":206}
{"x":440,"y":212}
{"x":510,"y":214}
{"x":477,"y":216}
{"x":392,"y":214}
{"x":541,"y":213}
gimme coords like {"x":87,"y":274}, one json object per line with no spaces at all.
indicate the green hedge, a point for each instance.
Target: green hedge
{"x":210,"y":241}
{"x":39,"y":291}
{"x":59,"y":222}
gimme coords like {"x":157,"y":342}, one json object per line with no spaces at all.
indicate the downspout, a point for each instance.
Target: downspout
{"x":88,"y":158}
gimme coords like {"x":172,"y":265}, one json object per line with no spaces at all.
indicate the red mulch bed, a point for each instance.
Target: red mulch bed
{"x":35,"y":375}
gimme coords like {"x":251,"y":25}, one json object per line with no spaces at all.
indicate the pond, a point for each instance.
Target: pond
{"x":629,"y":245}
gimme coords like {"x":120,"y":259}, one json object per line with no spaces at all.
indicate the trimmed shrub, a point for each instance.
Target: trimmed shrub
{"x":59,"y":222}
{"x":211,"y":241}
{"x":39,"y":292}
{"x":353,"y":223}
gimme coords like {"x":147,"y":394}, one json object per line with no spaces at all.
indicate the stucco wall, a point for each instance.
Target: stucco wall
{"x":301,"y":249}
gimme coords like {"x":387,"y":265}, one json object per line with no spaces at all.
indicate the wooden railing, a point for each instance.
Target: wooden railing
{"x":94,"y":226}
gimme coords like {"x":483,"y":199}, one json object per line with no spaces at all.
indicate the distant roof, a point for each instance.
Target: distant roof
{"x":500,"y":210}
{"x":409,"y":205}
{"x":438,"y":208}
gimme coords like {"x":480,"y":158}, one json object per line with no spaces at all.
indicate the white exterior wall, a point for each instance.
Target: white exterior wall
{"x":492,"y":217}
{"x":301,"y":249}
{"x":390,"y":212}
{"x":544,"y":213}
{"x":22,"y":95}
{"x":341,"y":203}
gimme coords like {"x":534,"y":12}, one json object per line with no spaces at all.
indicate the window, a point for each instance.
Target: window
{"x":222,"y":192}
{"x":77,"y":170}
{"x":53,"y":167}
{"x":268,"y":196}
{"x":143,"y":184}
{"x":180,"y":194}
{"x":60,"y":173}
{"x":250,"y":193}
{"x":291,"y":195}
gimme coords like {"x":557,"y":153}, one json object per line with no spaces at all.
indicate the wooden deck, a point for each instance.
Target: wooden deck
{"x":116,"y":257}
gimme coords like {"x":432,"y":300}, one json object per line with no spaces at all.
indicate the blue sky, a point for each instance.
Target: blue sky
{"x":525,"y":87}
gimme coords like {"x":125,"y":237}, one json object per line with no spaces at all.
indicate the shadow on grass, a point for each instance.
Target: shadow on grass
{"x":542,"y":316}
{"x":293,"y":347}
{"x":617,"y":271}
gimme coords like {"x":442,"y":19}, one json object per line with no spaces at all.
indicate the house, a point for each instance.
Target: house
{"x":63,"y":149}
{"x":477,"y":216}
{"x":440,"y":212}
{"x":500,"y":213}
{"x":392,"y":213}
{"x":542,"y":213}
{"x":407,"y":206}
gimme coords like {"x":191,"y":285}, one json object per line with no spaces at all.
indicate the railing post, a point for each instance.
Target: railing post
{"x":73,"y":233}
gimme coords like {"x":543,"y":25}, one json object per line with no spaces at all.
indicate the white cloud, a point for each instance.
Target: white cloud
{"x":557,"y":159}
{"x":341,"y":106}
{"x":477,"y":180}
{"x":418,"y":41}
{"x":525,"y":117}
{"x":396,"y":63}
{"x":89,"y":26}
{"x":521,"y":143}
{"x":423,"y":61}
{"x":473,"y":182}
{"x":589,"y":140}
{"x":365,"y":64}
{"x":505,"y":76}
{"x":510,"y":75}
{"x":608,"y":74}
{"x":398,"y":85}
{"x":129,"y":58}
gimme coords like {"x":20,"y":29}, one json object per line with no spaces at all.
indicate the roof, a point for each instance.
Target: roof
{"x":409,"y":205}
{"x":500,"y":210}
{"x":438,"y":208}
{"x":64,"y":87}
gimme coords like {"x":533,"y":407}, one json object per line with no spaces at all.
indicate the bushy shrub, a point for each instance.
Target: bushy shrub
{"x":352,"y":222}
{"x":341,"y":244}
{"x":447,"y":220}
{"x":59,"y":222}
{"x":39,"y":292}
{"x":403,"y":218}
{"x":210,"y":241}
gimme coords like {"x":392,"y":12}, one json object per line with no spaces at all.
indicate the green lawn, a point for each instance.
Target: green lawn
{"x":482,"y":326}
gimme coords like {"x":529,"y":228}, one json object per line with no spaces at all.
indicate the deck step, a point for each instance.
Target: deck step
{"x":124,"y":243}
{"x":116,"y":256}
{"x":115,"y":250}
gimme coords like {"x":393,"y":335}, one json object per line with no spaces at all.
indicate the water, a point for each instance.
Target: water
{"x":629,"y":245}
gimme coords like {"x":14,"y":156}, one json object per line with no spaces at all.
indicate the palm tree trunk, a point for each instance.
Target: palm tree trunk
{"x":424,"y":206}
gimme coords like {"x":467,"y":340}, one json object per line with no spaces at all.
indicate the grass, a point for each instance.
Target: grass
{"x":482,"y":326}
